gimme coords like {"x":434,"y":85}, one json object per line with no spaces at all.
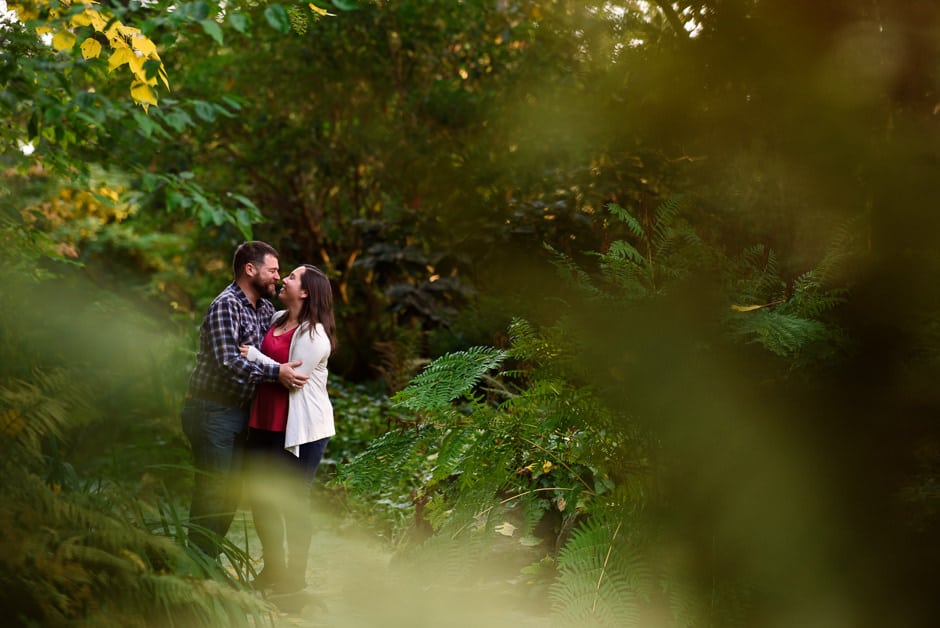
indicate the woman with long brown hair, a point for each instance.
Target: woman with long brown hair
{"x":289,"y":429}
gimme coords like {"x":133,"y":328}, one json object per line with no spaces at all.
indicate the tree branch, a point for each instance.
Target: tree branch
{"x":673,"y":18}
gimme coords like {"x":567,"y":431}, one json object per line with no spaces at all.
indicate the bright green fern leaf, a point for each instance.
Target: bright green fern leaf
{"x":448,"y":378}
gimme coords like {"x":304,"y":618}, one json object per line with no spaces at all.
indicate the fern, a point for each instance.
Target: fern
{"x":67,"y":563}
{"x":448,"y":378}
{"x":632,"y":224}
{"x":661,"y":247}
{"x":791,"y":324}
{"x":455,"y":450}
{"x":783,"y":334}
{"x":78,"y":549}
{"x":573,"y":274}
{"x":533,"y":511}
{"x":32,"y":412}
{"x":390,"y":455}
{"x":603,"y":580}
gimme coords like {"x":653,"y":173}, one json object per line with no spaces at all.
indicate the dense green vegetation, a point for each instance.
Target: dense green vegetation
{"x":638,"y":297}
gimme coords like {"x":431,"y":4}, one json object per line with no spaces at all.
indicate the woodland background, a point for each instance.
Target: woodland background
{"x":653,"y":284}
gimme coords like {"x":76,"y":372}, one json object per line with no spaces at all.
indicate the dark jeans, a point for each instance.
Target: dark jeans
{"x":216,"y":433}
{"x":280,"y":499}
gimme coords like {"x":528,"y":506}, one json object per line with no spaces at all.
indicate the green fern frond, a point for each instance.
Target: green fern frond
{"x":537,"y":347}
{"x":448,"y":378}
{"x":809,"y":305}
{"x":458,"y":559}
{"x":754,"y":277}
{"x":387,"y":456}
{"x":80,"y":564}
{"x":842,"y":247}
{"x":782,"y":334}
{"x":534,"y":507}
{"x":622,"y":250}
{"x":454,"y":450}
{"x":665,"y":216}
{"x":31,"y":414}
{"x":633,"y":225}
{"x":574,"y":275}
{"x":603,"y":579}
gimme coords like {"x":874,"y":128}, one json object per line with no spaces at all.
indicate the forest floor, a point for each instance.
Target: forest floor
{"x":355,"y":581}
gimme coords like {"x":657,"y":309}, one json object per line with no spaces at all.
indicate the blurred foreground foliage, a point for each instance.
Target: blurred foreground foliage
{"x":561,"y":449}
{"x":88,"y":414}
{"x":720,"y":410}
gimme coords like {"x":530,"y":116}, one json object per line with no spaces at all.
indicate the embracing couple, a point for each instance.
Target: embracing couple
{"x":258,"y":403}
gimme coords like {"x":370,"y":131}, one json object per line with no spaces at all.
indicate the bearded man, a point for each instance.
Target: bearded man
{"x":221,"y":387}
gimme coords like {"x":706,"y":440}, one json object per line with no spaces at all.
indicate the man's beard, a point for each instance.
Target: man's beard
{"x":267,"y":290}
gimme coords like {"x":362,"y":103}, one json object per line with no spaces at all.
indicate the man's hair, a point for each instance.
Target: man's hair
{"x":252,"y":252}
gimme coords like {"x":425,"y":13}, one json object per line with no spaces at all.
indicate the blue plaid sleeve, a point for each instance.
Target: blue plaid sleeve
{"x":226,"y":329}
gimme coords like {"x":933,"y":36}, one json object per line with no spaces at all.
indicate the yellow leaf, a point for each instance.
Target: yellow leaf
{"x":547,"y":466}
{"x":63,"y":40}
{"x":127,"y":31}
{"x":506,"y":528}
{"x":91,"y":48}
{"x":81,"y":19}
{"x":143,"y":94}
{"x":89,"y":17}
{"x":163,"y":77}
{"x":751,"y":308}
{"x":118,"y":32}
{"x":318,"y":10}
{"x":136,"y":64}
{"x":119,"y":57}
{"x":144,"y":45}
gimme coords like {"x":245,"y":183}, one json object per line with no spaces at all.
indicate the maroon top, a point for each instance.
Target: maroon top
{"x":269,"y":410}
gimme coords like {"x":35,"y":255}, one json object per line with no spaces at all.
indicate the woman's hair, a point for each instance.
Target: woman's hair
{"x":318,"y":306}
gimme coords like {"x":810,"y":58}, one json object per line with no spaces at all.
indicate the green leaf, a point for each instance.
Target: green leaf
{"x":174,"y":200}
{"x":205,"y":110}
{"x":232,"y":103}
{"x":179,"y":120}
{"x":239,"y":22}
{"x":345,"y":5}
{"x":277,"y":18}
{"x":147,"y":125}
{"x":200,"y":10}
{"x":223,"y":111}
{"x":152,"y":68}
{"x":150,"y":181}
{"x":212,"y":29}
{"x":244,"y":200}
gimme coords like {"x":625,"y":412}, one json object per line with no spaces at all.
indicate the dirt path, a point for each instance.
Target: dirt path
{"x":353,"y":582}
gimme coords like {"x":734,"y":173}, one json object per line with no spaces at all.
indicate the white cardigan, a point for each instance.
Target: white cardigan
{"x":309,"y":412}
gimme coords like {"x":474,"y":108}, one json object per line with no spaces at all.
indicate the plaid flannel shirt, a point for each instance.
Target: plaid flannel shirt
{"x":221,"y":373}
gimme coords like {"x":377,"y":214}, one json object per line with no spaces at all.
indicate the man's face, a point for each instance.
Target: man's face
{"x":266,"y":277}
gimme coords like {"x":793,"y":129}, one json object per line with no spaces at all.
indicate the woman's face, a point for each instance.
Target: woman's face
{"x":292,"y":290}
